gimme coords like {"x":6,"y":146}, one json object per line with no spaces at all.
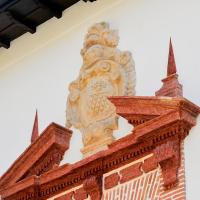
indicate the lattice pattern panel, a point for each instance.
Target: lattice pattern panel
{"x":145,"y":187}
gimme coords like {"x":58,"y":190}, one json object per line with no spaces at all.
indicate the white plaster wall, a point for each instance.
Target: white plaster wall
{"x":192,"y":162}
{"x":36,"y":70}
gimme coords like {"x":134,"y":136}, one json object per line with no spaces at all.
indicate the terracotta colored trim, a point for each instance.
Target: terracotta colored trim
{"x":111,"y":180}
{"x":149,"y":164}
{"x":46,"y":150}
{"x":130,"y":173}
{"x":93,"y":187}
{"x":169,"y":157}
{"x":28,"y":182}
{"x":171,"y":125}
{"x":80,"y":194}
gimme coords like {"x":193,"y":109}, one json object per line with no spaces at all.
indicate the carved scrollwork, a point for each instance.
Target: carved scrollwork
{"x":106,"y":71}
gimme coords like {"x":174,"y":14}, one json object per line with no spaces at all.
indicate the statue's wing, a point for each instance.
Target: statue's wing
{"x":130,"y":75}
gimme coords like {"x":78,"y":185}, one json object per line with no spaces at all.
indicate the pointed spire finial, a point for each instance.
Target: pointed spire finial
{"x":35,"y":131}
{"x":171,"y":86}
{"x":171,"y":67}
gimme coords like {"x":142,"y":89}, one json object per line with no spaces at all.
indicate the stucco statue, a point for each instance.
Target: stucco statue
{"x":106,"y":71}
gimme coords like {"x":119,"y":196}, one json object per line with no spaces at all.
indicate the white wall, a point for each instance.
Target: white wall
{"x":192,"y":162}
{"x":36,"y":70}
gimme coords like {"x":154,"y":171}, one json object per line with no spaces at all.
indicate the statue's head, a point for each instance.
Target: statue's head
{"x":100,"y":33}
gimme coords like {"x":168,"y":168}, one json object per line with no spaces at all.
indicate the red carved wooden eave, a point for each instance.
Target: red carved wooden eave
{"x":160,"y":124}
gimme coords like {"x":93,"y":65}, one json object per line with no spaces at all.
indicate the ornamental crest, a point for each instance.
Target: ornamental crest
{"x":106,"y":71}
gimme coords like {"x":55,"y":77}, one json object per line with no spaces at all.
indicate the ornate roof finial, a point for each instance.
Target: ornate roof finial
{"x":106,"y":71}
{"x":171,"y":86}
{"x":171,"y":68}
{"x":35,"y":131}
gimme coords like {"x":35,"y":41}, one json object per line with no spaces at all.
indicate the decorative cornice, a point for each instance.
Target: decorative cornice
{"x":141,"y":109}
{"x":41,"y":156}
{"x":160,"y":135}
{"x":30,"y":185}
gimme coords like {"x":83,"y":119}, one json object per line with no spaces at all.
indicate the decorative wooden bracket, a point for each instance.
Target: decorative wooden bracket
{"x":168,"y":156}
{"x":93,"y":187}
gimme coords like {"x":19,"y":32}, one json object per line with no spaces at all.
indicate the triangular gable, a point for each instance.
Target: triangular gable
{"x":41,"y":156}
